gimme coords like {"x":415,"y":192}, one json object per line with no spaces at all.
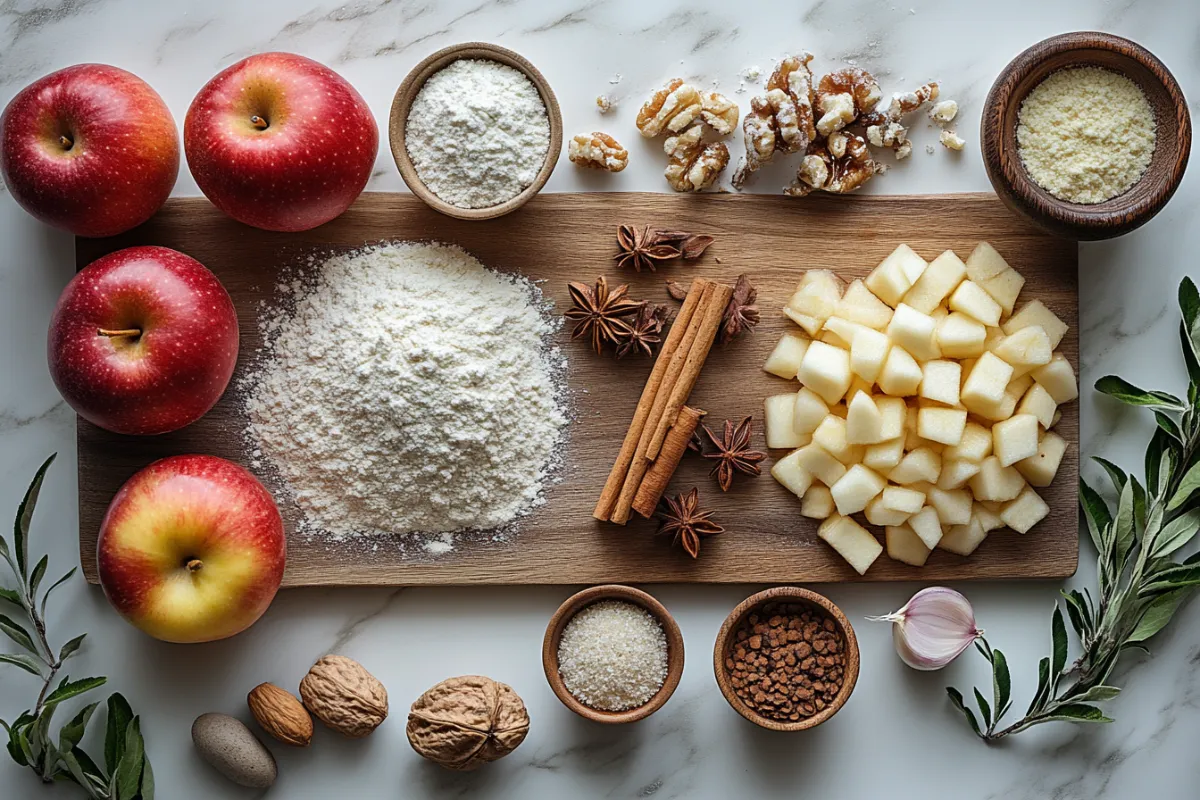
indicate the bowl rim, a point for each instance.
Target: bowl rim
{"x":786,"y":594}
{"x":407,"y":92}
{"x":612,"y":591}
{"x":1113,"y":217}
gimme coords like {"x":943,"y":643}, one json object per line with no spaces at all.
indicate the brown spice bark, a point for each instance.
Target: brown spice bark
{"x":659,"y":475}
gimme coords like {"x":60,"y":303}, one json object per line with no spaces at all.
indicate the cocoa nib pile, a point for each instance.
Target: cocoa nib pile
{"x":786,"y":661}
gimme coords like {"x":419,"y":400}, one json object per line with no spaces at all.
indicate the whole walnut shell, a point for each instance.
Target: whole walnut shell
{"x":342,"y":694}
{"x":280,"y":714}
{"x":463,"y":723}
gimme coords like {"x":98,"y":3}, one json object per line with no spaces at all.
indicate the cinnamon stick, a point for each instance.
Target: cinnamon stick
{"x":696,"y":357}
{"x":616,"y":478}
{"x":660,"y":472}
{"x":640,"y":463}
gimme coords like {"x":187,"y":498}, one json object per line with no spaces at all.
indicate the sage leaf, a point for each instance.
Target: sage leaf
{"x":10,"y":595}
{"x":54,"y":586}
{"x":68,"y":689}
{"x":1181,"y":577}
{"x":1043,"y":687}
{"x":119,"y":717}
{"x":127,"y":779}
{"x":1189,"y":309}
{"x":35,"y":577}
{"x":1115,"y":473}
{"x":25,"y":516}
{"x":1078,"y":613}
{"x":1076,"y":712}
{"x":1189,"y":358}
{"x":71,"y":733}
{"x":985,"y":710}
{"x":1098,"y":694}
{"x":1126,"y":392}
{"x":1176,"y":533}
{"x":1095,"y":511}
{"x":18,"y":634}
{"x":147,"y":781}
{"x":1123,"y":525}
{"x":1058,"y":637}
{"x":956,"y":699}
{"x":71,"y":647}
{"x":1169,"y":425}
{"x":94,"y":773}
{"x":1001,"y":684}
{"x":1187,"y":485}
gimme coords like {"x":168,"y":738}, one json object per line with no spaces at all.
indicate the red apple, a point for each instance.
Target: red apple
{"x":90,"y":148}
{"x":143,"y":341}
{"x":280,"y":142}
{"x":192,"y":549}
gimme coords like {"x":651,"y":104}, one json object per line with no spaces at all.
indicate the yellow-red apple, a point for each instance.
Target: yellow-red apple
{"x":143,"y":341}
{"x":192,"y":549}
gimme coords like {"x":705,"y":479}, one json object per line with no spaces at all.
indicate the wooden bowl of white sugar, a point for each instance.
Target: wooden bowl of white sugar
{"x":613,"y":654}
{"x":475,"y":130}
{"x":1086,"y":134}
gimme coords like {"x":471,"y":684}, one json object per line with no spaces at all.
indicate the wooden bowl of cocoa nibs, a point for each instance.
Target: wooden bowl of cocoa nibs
{"x":613,"y":654}
{"x":791,"y":633}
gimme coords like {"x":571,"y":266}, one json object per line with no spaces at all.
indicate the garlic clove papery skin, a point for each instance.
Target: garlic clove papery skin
{"x":933,"y":628}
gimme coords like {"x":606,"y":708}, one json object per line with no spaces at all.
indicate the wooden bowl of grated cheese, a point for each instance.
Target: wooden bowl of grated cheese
{"x":1086,"y":134}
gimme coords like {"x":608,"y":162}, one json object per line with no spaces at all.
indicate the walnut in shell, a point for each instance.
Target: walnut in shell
{"x":342,"y":694}
{"x":692,"y":163}
{"x":280,"y":714}
{"x":670,"y":109}
{"x":463,"y":723}
{"x":597,"y":151}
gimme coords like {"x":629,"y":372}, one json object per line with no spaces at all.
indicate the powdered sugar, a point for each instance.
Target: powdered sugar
{"x":477,"y":133}
{"x":405,"y":389}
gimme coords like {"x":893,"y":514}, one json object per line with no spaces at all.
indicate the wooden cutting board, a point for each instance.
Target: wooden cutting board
{"x":562,"y":237}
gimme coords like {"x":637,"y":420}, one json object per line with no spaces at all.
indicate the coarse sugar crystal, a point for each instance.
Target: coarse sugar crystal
{"x":613,"y":655}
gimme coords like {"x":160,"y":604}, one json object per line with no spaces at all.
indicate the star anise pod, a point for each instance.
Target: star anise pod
{"x":641,"y":248}
{"x":741,"y":314}
{"x":600,"y":313}
{"x":681,"y":518}
{"x":733,"y":452}
{"x":644,"y":332}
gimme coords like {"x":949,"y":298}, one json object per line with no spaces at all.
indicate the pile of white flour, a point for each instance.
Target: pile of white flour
{"x":409,"y":389}
{"x":477,"y":133}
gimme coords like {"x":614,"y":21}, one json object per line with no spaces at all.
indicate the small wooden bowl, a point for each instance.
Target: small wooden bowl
{"x":1125,"y":212}
{"x":408,"y":91}
{"x":576,"y":603}
{"x":785,"y":594}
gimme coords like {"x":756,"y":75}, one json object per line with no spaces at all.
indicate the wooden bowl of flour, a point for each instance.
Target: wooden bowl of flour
{"x":411,"y":87}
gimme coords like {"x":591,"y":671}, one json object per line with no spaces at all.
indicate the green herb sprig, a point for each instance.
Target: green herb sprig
{"x":126,"y":774}
{"x":1140,"y":585}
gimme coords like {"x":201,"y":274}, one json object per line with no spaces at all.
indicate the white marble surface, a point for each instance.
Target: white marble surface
{"x":897,"y":737}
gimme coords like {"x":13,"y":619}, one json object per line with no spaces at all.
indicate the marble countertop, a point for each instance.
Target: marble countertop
{"x":898,"y":736}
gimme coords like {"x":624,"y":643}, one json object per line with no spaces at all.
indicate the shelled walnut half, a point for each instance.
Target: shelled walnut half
{"x":694,"y":164}
{"x":782,"y":120}
{"x":841,"y":165}
{"x":671,"y":109}
{"x":597,"y":151}
{"x":886,"y":128}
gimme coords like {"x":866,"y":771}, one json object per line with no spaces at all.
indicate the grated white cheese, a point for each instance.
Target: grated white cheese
{"x":613,"y":655}
{"x":1086,"y":135}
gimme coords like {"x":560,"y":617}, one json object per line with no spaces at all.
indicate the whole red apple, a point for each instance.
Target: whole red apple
{"x":90,"y":148}
{"x":191,"y":549}
{"x":143,"y":341}
{"x":280,"y":142}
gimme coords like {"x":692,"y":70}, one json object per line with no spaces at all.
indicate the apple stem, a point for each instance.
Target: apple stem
{"x":194,"y":565}
{"x":121,"y":332}
{"x":66,"y":142}
{"x":259,"y":122}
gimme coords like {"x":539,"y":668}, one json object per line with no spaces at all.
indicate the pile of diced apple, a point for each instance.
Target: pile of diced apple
{"x":926,"y":404}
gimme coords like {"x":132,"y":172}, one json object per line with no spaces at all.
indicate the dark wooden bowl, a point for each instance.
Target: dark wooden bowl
{"x":785,"y":594}
{"x":576,"y":603}
{"x":411,"y":86}
{"x":1125,"y":212}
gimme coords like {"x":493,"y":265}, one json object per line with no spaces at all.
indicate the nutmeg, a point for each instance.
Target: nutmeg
{"x":463,"y":723}
{"x":280,"y":714}
{"x":344,"y":696}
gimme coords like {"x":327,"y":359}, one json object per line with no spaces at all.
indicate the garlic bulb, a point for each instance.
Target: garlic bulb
{"x":933,"y":628}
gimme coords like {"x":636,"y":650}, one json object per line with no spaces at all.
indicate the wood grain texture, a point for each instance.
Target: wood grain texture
{"x":561,"y":237}
{"x":1125,"y":212}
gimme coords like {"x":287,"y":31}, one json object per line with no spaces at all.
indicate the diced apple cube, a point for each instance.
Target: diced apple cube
{"x":808,"y":411}
{"x":988,"y":519}
{"x":885,"y":455}
{"x":963,"y":539}
{"x":894,"y":413}
{"x":926,"y":525}
{"x":844,"y":329}
{"x":940,"y":381}
{"x":857,"y":385}
{"x":895,"y":275}
{"x":1038,"y":402}
{"x":864,"y":423}
{"x":936,"y":283}
{"x":915,"y":331}
{"x":976,"y":445}
{"x":791,"y":475}
{"x":902,"y":499}
{"x":1027,"y":510}
{"x":1015,"y":439}
{"x":955,"y":474}
{"x":852,"y":541}
{"x":831,"y":435}
{"x":817,"y":502}
{"x":953,"y":506}
{"x":878,"y":514}
{"x":905,"y":546}
{"x":820,"y":464}
{"x":778,"y":414}
{"x":996,"y":482}
{"x":826,"y":370}
{"x":868,"y":351}
{"x":858,"y":487}
{"x":983,"y":390}
{"x":971,"y":299}
{"x":1035,"y":313}
{"x":1040,"y":469}
{"x":989,"y":269}
{"x":859,"y":305}
{"x":1025,"y":349}
{"x":901,"y":375}
{"x":922,"y":464}
{"x":941,"y":425}
{"x":1058,"y":378}
{"x":959,"y":336}
{"x":815,"y":300}
{"x":785,"y":359}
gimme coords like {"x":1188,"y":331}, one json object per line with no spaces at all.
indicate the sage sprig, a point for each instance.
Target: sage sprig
{"x":1141,"y":585}
{"x":126,"y":772}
